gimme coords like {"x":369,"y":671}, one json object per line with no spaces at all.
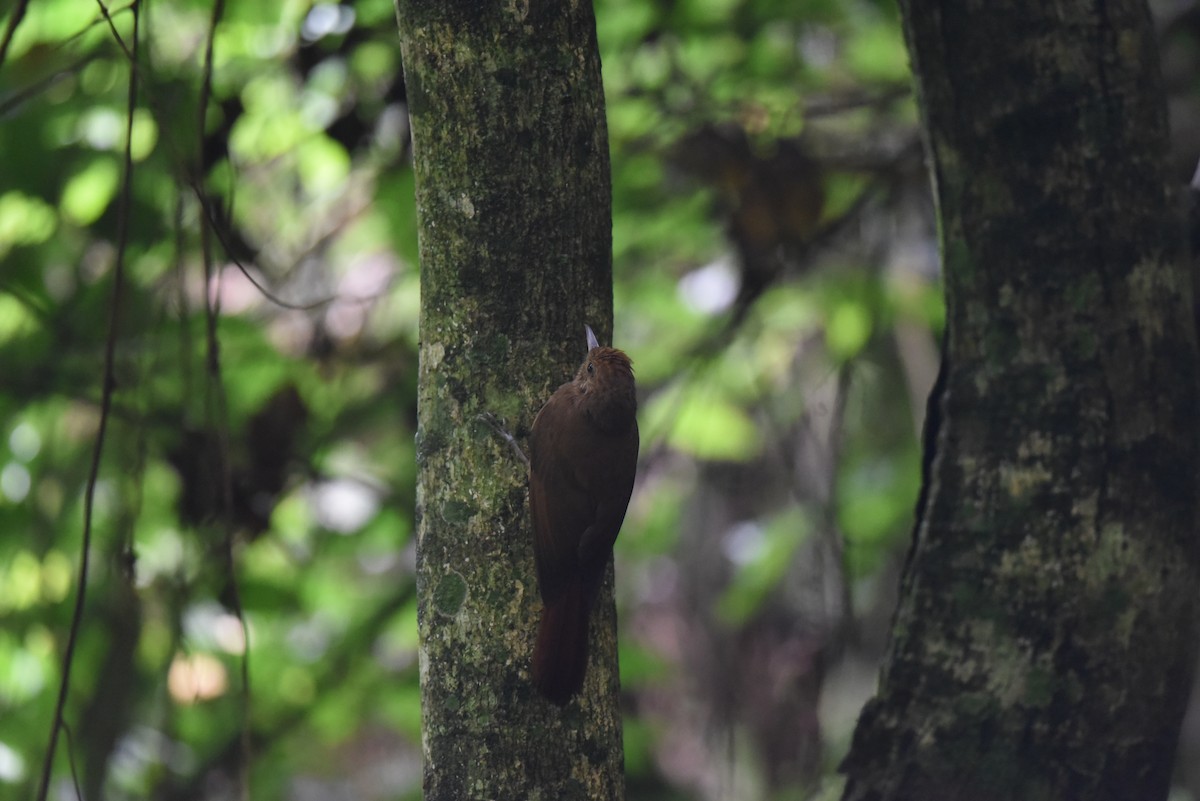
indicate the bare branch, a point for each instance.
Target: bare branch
{"x":110,"y":350}
{"x":17,"y":15}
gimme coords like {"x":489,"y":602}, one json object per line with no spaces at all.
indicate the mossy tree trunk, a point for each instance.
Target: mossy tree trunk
{"x":1044,"y":642}
{"x":513,"y":197}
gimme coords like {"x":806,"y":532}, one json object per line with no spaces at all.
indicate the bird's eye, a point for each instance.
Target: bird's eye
{"x":591,"y":369}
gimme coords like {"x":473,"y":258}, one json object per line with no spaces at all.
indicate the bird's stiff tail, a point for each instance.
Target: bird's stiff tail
{"x":561,"y":653}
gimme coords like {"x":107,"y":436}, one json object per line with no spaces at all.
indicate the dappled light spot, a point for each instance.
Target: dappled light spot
{"x":196,"y":677}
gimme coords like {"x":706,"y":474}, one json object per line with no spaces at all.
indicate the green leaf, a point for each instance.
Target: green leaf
{"x":877,"y":53}
{"x":875,"y":497}
{"x":639,"y":741}
{"x":24,"y":220}
{"x":144,"y":135}
{"x":624,"y":23}
{"x":702,"y":425}
{"x":323,"y":165}
{"x":705,"y":12}
{"x":88,"y":193}
{"x":847,"y":329}
{"x":15,"y":318}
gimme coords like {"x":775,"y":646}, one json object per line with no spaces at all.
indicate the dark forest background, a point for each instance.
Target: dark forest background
{"x":776,"y":284}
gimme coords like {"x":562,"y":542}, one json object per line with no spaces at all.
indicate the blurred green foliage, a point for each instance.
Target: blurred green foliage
{"x":300,"y":442}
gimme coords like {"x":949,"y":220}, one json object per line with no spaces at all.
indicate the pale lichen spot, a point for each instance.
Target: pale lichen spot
{"x":978,"y":630}
{"x":463,"y":204}
{"x":1022,"y":481}
{"x":1027,"y":560}
{"x":1058,"y":383}
{"x":434,"y":355}
{"x":1129,"y":45}
{"x":1152,"y":286}
{"x":1036,"y":446}
{"x":1084,"y":509}
{"x":1126,"y":622}
{"x":1006,"y":295}
{"x":519,"y":9}
{"x":1107,"y":557}
{"x":1008,"y":671}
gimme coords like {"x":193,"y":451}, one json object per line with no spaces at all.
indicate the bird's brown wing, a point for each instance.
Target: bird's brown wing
{"x":611,"y":479}
{"x":558,"y":502}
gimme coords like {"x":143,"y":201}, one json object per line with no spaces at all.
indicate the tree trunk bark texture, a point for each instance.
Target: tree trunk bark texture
{"x":513,"y":197}
{"x":1045,"y":636}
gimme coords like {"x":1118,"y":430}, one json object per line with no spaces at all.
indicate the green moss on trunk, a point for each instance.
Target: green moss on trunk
{"x":1043,"y":645}
{"x":511,"y":159}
